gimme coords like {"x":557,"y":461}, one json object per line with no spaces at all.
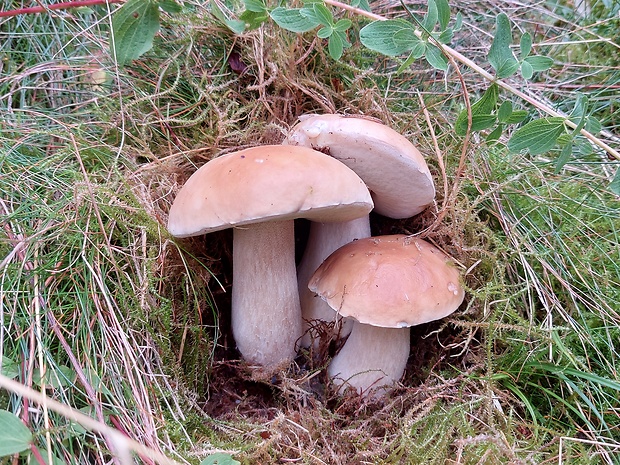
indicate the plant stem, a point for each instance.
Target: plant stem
{"x":90,"y":423}
{"x":488,"y":76}
{"x":56,"y":6}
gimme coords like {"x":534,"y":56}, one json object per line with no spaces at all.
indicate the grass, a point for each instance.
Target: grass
{"x":102,"y":310}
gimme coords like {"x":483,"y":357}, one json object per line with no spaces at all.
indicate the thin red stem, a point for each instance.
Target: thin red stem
{"x":55,"y":6}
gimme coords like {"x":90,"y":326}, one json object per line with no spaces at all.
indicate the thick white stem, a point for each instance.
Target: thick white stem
{"x":372,"y":360}
{"x":266,"y":315}
{"x":324,"y":238}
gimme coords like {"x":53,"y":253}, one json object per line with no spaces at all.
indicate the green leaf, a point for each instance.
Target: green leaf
{"x":525,"y":45}
{"x":496,"y":133}
{"x":436,"y":58}
{"x":480,"y":122}
{"x":446,"y":36}
{"x":443,"y":13}
{"x":538,"y":136}
{"x":61,"y":377}
{"x":431,"y":17}
{"x":15,"y":437}
{"x":516,"y":117}
{"x":220,"y":458}
{"x":379,"y":36}
{"x":539,"y":62}
{"x":134,"y":26}
{"x":323,"y":14}
{"x":363,"y":4}
{"x":581,"y":107}
{"x":43,"y":453}
{"x":170,"y":6}
{"x":324,"y":32}
{"x":458,"y":22}
{"x":526,"y":70}
{"x":615,"y":183}
{"x":500,"y":56}
{"x":504,"y":111}
{"x":564,"y":157}
{"x":342,"y":25}
{"x":508,"y":68}
{"x":485,"y":106}
{"x":335,"y":47}
{"x":9,"y":368}
{"x":406,"y":39}
{"x":292,"y":19}
{"x":410,"y":59}
{"x":257,"y":6}
{"x":593,"y":125}
{"x":249,"y":19}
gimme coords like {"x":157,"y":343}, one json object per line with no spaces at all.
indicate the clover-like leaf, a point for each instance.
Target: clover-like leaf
{"x":14,"y":435}
{"x":537,"y":136}
{"x":323,"y":14}
{"x":335,"y":46}
{"x":504,"y":111}
{"x":379,"y":36}
{"x":525,"y":45}
{"x":614,"y":186}
{"x":539,"y":62}
{"x":220,"y":458}
{"x":443,"y":13}
{"x":564,"y":157}
{"x":436,"y":58}
{"x":431,"y":17}
{"x":500,"y":55}
{"x":292,"y":19}
{"x":526,"y":70}
{"x":485,"y":106}
{"x":134,"y":26}
{"x":257,"y":6}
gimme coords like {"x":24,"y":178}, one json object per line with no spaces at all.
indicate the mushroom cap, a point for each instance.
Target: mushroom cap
{"x":267,"y":183}
{"x":389,"y":281}
{"x":392,"y":167}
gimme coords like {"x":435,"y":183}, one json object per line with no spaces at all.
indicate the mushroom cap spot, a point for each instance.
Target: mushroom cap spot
{"x":391,"y":166}
{"x":267,"y":183}
{"x":389,"y":281}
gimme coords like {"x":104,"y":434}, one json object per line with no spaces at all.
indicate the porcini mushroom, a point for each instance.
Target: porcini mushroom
{"x":386,"y":284}
{"x":259,"y":192}
{"x":393,"y":169}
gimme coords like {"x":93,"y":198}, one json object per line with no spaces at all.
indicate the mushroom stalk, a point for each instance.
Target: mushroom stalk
{"x":373,"y":358}
{"x":324,"y":239}
{"x":266,"y":314}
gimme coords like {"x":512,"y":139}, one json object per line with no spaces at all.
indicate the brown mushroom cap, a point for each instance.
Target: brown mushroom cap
{"x":391,"y":166}
{"x":267,"y":183}
{"x":389,"y":281}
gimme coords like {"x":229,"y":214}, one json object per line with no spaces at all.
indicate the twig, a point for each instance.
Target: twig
{"x":489,"y":77}
{"x":55,"y":6}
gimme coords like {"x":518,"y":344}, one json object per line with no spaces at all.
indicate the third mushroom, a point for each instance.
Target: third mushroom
{"x":386,"y":284}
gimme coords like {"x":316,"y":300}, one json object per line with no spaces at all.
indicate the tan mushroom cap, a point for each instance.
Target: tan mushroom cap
{"x":389,"y":281}
{"x":391,"y":166}
{"x":266,"y":183}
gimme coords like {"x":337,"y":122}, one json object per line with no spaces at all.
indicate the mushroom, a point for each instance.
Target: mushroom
{"x":259,"y":192}
{"x":386,"y":284}
{"x":393,"y":169}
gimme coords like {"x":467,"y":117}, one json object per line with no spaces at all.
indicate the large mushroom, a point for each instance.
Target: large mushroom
{"x":259,"y":192}
{"x":386,"y":284}
{"x":393,"y":169}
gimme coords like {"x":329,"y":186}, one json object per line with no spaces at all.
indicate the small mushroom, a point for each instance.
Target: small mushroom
{"x":259,"y":192}
{"x":386,"y":284}
{"x":393,"y":169}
